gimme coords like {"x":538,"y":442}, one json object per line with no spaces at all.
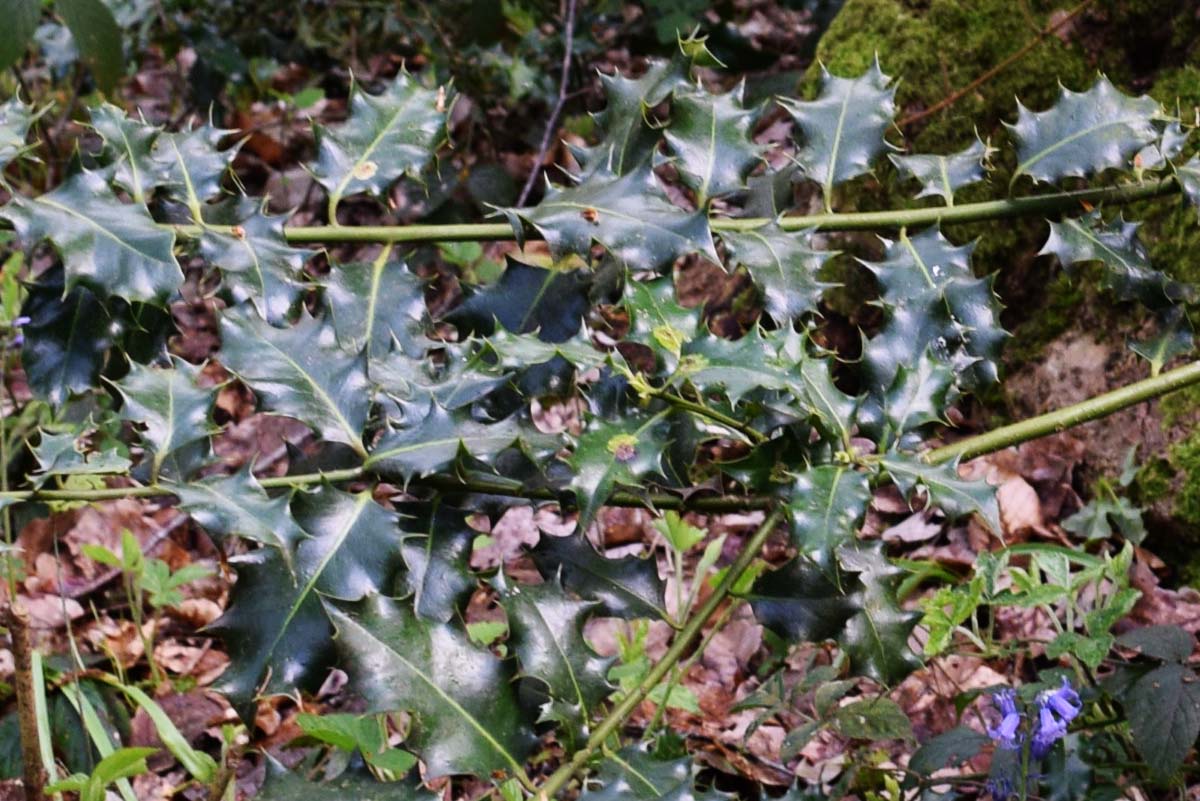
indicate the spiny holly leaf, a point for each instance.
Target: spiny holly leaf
{"x":16,"y":118}
{"x":657,"y":320}
{"x":433,"y":438}
{"x":520,"y":351}
{"x":876,"y":637}
{"x":842,"y":130}
{"x":386,"y":136}
{"x":238,"y":506}
{"x":300,"y":372}
{"x":804,"y":600}
{"x":256,"y":262}
{"x":628,"y":587}
{"x":170,"y":404}
{"x":546,"y":634}
{"x":628,"y":138}
{"x":1116,"y":245}
{"x":784,"y":265}
{"x":437,"y":553}
{"x":525,"y":300}
{"x":1083,"y":133}
{"x":129,"y":143}
{"x":634,"y":774}
{"x":1188,"y":175}
{"x":831,"y":410}
{"x":827,"y":506}
{"x":738,"y":366}
{"x":353,"y":784}
{"x":111,"y":247}
{"x":918,"y":396}
{"x":944,"y":175}
{"x":66,"y":339}
{"x":709,"y":138}
{"x":466,"y":717}
{"x":352,"y":549}
{"x":955,"y":496}
{"x":61,"y":455}
{"x":459,"y":382}
{"x":374,"y":304}
{"x":1175,"y":337}
{"x":628,"y":214}
{"x":194,"y":167}
{"x":607,"y":454}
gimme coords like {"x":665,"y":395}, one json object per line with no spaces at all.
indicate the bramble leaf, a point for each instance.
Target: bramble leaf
{"x":1164,"y":716}
{"x":709,"y":138}
{"x":944,"y":175}
{"x":1083,"y":133}
{"x":628,"y":587}
{"x":784,"y":265}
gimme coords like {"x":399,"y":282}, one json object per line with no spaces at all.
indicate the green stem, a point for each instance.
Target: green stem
{"x":683,"y":641}
{"x":679,"y":402}
{"x":1053,"y":203}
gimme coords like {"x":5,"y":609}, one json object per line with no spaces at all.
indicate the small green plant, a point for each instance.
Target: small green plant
{"x":124,"y":763}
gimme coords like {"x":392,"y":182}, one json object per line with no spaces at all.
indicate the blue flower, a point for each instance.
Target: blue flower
{"x":1001,"y":788}
{"x":1065,"y":702}
{"x":1056,"y":709}
{"x":1005,"y":734}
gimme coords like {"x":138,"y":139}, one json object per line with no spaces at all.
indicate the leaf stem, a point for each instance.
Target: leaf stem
{"x":1004,"y":208}
{"x":683,"y":641}
{"x":678,"y":401}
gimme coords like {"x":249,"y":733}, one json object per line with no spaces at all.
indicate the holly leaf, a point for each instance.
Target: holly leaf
{"x":171,"y":406}
{"x":635,"y":774}
{"x":16,"y":116}
{"x":546,"y":634}
{"x":628,"y":138}
{"x":955,"y":496}
{"x":827,"y":505}
{"x":628,"y":214}
{"x":129,"y":143}
{"x":842,"y":130}
{"x":876,"y":636}
{"x":1083,"y":133}
{"x":1175,"y":337}
{"x":525,"y":300}
{"x":802,"y":601}
{"x":300,"y":372}
{"x":608,"y":454}
{"x":193,"y":165}
{"x":737,"y":366}
{"x":353,"y":784}
{"x":113,"y":248}
{"x":352,"y":548}
{"x":66,"y":340}
{"x":386,"y":136}
{"x":657,"y":320}
{"x":375,"y":304}
{"x":1115,"y":245}
{"x":238,"y":506}
{"x":462,"y":699}
{"x":62,"y":455}
{"x":628,"y":587}
{"x":944,"y":175}
{"x":437,"y":553}
{"x":919,"y":395}
{"x":710,"y":141}
{"x":22,"y":18}
{"x":256,"y":262}
{"x":1163,"y":708}
{"x":1188,"y":175}
{"x":784,"y":265}
{"x":520,"y":351}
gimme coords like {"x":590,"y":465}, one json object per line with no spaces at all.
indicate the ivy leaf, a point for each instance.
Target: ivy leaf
{"x":255,"y":260}
{"x":784,"y":265}
{"x":374,"y":304}
{"x":876,"y":637}
{"x":433,"y":441}
{"x":842,"y":130}
{"x":1115,"y":245}
{"x":955,"y":496}
{"x":171,"y":405}
{"x":386,"y":136}
{"x":827,"y":505}
{"x":466,"y":717}
{"x":113,"y":248}
{"x":300,"y":372}
{"x":802,"y":601}
{"x":624,"y":452}
{"x":944,"y":175}
{"x":1163,"y":707}
{"x":352,"y":548}
{"x":628,"y":214}
{"x":1083,"y":133}
{"x":1175,"y":337}
{"x":66,"y":339}
{"x":437,"y":553}
{"x":634,"y":774}
{"x":546,"y":634}
{"x":353,"y":784}
{"x":527,"y":299}
{"x":237,"y":505}
{"x":709,"y":139}
{"x":628,"y":587}
{"x":16,"y":118}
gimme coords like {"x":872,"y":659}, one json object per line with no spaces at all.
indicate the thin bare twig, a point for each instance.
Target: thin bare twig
{"x":33,"y":773}
{"x":552,"y":123}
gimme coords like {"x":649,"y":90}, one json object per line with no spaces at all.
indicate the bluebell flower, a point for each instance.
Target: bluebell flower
{"x":1001,"y":787}
{"x":1056,"y":709}
{"x":18,"y":338}
{"x":1005,"y":734}
{"x":1065,"y":702}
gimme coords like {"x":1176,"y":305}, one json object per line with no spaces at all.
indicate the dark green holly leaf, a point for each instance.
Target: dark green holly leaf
{"x":237,"y":506}
{"x":526,"y":300}
{"x":873,"y":719}
{"x":827,"y":505}
{"x":608,"y":454}
{"x":1175,"y":337}
{"x":842,"y":130}
{"x":1168,"y":643}
{"x":111,"y":247}
{"x":657,"y":320}
{"x":255,"y":260}
{"x":520,"y":351}
{"x":459,"y":382}
{"x":628,"y":587}
{"x":944,"y":175}
{"x":466,"y":717}
{"x":1172,"y":139}
{"x":129,"y":144}
{"x":832,"y":411}
{"x":433,"y":438}
{"x":63,"y":455}
{"x":1083,"y":133}
{"x":546,"y":634}
{"x":803,"y":601}
{"x":437,"y":553}
{"x":374,"y":304}
{"x":628,"y":214}
{"x":635,"y":774}
{"x":709,"y":139}
{"x":193,"y":166}
{"x":66,"y":340}
{"x":386,"y":136}
{"x":876,"y":636}
{"x":948,"y":749}
{"x":1188,"y":175}
{"x":628,"y":138}
{"x":352,"y":547}
{"x":354,"y":784}
{"x":300,"y":372}
{"x":1163,"y":708}
{"x":16,"y":117}
{"x":919,"y":395}
{"x":784,"y":265}
{"x":955,"y":496}
{"x":1115,"y":245}
{"x":170,"y":404}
